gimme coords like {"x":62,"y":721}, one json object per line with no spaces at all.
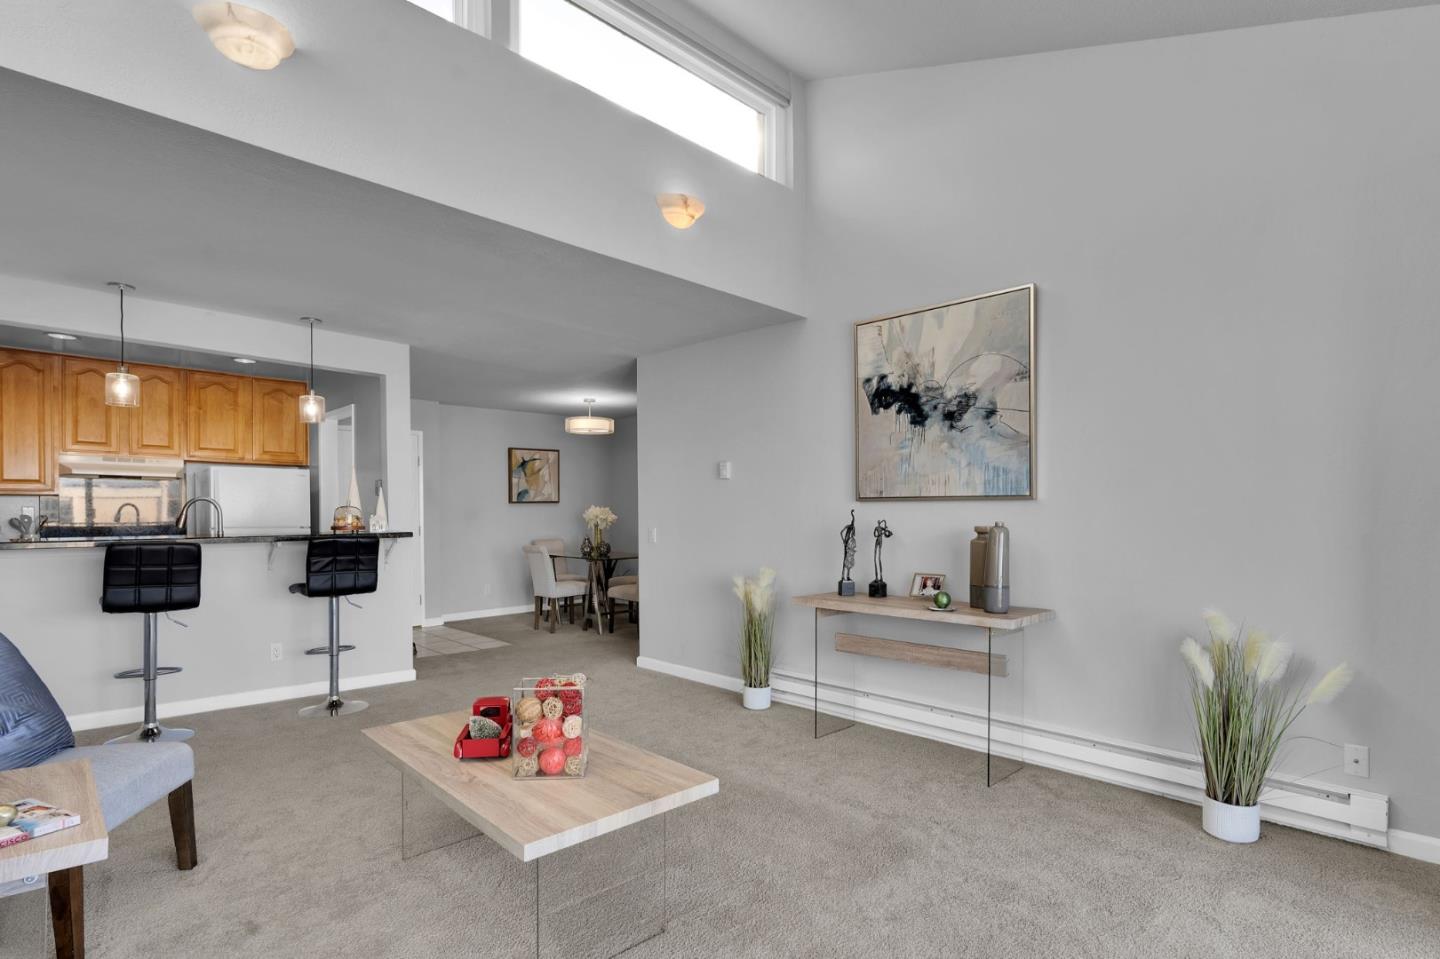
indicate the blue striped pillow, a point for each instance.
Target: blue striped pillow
{"x":32,"y":726}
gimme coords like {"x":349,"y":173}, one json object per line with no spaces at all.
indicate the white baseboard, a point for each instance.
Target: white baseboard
{"x":478,"y":614}
{"x":1415,"y":845}
{"x":732,"y":683}
{"x":1344,"y":813}
{"x":209,"y":704}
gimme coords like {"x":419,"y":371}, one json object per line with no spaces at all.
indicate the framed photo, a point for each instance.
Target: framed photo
{"x":945,"y":400}
{"x":534,"y":475}
{"x":927,"y":584}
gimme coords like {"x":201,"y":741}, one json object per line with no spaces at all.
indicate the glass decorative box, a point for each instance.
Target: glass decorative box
{"x":549,"y":727}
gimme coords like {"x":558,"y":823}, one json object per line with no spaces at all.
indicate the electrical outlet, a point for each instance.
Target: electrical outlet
{"x":1357,"y":760}
{"x":654,"y":534}
{"x":277,"y":652}
{"x":486,"y":590}
{"x":27,"y":511}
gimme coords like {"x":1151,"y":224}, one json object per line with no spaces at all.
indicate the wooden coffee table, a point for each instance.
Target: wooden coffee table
{"x":624,"y":785}
{"x":61,"y":855}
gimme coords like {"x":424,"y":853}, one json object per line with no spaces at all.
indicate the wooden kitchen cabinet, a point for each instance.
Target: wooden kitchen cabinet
{"x":29,"y":421}
{"x":279,"y":437}
{"x":157,"y":425}
{"x":219,"y":417}
{"x":87,"y":425}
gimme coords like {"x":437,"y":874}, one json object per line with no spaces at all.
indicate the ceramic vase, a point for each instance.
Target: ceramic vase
{"x":756,"y":697}
{"x":1231,"y":823}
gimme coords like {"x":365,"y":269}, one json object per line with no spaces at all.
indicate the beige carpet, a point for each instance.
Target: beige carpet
{"x":865,"y":843}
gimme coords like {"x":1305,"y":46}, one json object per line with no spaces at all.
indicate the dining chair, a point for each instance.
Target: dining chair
{"x":556,"y":549}
{"x":627,"y":593}
{"x":547,"y":587}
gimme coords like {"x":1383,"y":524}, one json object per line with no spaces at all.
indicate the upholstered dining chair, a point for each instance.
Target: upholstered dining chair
{"x":563,"y":573}
{"x":627,"y":593}
{"x":548,"y":590}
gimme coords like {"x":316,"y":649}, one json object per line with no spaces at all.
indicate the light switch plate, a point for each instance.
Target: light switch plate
{"x":1357,"y":760}
{"x":654,"y":534}
{"x":722,"y":469}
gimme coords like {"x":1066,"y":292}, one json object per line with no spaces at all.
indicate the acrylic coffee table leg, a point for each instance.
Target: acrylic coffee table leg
{"x":67,"y":912}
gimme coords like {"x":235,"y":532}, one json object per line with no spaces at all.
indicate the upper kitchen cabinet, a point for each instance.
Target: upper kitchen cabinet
{"x":280,"y":438}
{"x":29,"y":421}
{"x":219,"y":417}
{"x":87,"y":425}
{"x":157,"y":425}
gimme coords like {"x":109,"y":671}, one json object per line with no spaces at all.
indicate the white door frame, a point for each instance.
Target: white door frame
{"x":417,"y":449}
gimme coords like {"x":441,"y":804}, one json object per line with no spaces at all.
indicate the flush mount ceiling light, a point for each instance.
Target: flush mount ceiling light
{"x":312,"y":404}
{"x":122,"y":388}
{"x":245,"y":35}
{"x":680,"y":210}
{"x":589,"y":424}
{"x":62,"y":336}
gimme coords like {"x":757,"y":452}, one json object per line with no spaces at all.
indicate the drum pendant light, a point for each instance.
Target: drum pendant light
{"x":122,"y":388}
{"x":589,"y":424}
{"x":312,"y":404}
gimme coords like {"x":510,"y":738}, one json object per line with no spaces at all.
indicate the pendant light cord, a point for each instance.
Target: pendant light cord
{"x":312,"y":356}
{"x":122,"y":327}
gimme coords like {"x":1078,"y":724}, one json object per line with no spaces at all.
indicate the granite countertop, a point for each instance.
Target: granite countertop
{"x":107,"y":540}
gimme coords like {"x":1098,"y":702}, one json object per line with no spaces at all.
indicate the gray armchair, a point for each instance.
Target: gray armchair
{"x":128,"y":776}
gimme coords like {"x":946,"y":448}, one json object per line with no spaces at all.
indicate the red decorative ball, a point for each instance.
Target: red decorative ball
{"x":569,"y":692}
{"x":572,"y":707}
{"x":542,"y":688}
{"x":552,"y":761}
{"x":547,"y":731}
{"x":527,"y":746}
{"x":574,"y":747}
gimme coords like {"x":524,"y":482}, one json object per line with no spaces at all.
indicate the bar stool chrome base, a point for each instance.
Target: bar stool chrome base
{"x":334,"y":707}
{"x":153,"y":733}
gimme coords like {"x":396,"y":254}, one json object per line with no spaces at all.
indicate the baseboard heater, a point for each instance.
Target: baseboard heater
{"x":1353,"y":815}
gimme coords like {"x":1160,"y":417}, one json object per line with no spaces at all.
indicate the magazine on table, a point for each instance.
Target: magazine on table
{"x":34,"y":819}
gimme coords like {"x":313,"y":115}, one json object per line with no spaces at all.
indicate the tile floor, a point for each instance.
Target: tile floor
{"x":443,"y":640}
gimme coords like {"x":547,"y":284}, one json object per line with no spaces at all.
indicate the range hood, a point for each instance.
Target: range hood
{"x":125,"y":467}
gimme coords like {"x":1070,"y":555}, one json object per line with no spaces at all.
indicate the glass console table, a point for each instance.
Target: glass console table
{"x":1000,"y":664}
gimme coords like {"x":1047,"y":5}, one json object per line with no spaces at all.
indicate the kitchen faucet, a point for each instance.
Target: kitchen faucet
{"x":185,"y":512}
{"x":121,"y":510}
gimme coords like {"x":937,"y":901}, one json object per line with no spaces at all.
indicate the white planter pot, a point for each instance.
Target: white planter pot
{"x":1231,"y":823}
{"x":757,"y":697}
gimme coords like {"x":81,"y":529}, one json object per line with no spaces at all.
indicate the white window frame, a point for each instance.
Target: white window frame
{"x":693,"y":55}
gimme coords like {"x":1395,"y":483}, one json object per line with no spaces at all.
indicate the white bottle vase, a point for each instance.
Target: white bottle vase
{"x":1231,"y":823}
{"x":756,"y":697}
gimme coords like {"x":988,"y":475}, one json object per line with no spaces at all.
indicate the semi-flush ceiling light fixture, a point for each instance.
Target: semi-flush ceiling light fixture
{"x":245,"y":35}
{"x":122,"y":388}
{"x":680,"y":210}
{"x":312,"y":404}
{"x":589,"y":424}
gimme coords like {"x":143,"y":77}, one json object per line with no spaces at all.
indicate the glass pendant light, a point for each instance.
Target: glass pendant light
{"x":589,"y":424}
{"x":312,"y":404}
{"x":122,"y":388}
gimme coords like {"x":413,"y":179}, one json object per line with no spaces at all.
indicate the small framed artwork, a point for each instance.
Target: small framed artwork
{"x":534,"y":475}
{"x":927,"y":584}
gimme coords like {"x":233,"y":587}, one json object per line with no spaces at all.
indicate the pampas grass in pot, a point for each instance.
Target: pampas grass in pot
{"x":757,"y":623}
{"x":1244,"y":704}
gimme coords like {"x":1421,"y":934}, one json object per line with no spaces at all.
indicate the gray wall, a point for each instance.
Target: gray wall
{"x":367,"y":395}
{"x":473,"y":534}
{"x":1233,"y":235}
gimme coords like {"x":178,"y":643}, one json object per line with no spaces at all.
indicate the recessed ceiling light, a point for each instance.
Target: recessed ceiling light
{"x":62,"y":336}
{"x":244,"y":35}
{"x":245,"y":360}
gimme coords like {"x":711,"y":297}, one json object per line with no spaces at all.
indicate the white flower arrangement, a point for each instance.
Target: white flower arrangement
{"x":757,"y":597}
{"x":1243,"y":710}
{"x":601,"y":516}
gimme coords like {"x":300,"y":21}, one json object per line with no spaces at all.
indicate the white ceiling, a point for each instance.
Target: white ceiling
{"x":832,"y":38}
{"x":496,"y":317}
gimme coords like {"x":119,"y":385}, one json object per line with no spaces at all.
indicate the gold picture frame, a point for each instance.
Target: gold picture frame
{"x":968,"y":366}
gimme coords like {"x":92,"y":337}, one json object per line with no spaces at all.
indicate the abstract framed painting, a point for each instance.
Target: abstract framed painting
{"x":534,"y":475}
{"x":945,"y":400}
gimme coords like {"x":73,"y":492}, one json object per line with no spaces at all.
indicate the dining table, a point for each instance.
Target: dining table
{"x":601,"y":566}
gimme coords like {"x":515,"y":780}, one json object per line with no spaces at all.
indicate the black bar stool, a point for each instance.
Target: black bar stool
{"x":337,"y":566}
{"x":151,"y":578}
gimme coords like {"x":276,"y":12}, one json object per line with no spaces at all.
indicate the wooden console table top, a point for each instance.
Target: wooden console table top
{"x":915,"y":607}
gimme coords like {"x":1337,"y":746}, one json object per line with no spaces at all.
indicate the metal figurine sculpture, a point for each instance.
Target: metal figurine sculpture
{"x":877,"y":585}
{"x":846,"y":586}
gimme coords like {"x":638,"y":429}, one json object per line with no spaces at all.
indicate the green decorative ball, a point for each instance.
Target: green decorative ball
{"x":942,"y":600}
{"x":483,"y":727}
